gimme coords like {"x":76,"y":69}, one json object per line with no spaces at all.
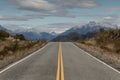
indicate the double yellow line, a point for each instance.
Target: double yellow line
{"x":60,"y":69}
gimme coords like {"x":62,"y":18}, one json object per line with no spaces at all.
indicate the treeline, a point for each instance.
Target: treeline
{"x":108,"y":40}
{"x":13,"y":44}
{"x":4,"y":35}
{"x":109,"y":37}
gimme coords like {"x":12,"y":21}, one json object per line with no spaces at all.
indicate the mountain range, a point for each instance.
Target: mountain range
{"x":37,"y":36}
{"x":31,"y":34}
{"x":5,"y":29}
{"x":82,"y":32}
{"x":76,"y":32}
{"x":90,"y":27}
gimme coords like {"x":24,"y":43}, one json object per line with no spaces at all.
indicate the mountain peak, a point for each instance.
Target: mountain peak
{"x":92,"y":26}
{"x":103,"y":24}
{"x":54,"y":33}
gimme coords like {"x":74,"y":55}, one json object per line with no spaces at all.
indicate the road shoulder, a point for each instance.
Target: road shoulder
{"x":15,"y":59}
{"x":99,"y":55}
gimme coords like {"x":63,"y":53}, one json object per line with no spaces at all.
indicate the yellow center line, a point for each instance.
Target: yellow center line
{"x":60,"y":69}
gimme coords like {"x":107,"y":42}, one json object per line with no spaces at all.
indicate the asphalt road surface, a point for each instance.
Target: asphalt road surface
{"x":59,"y":61}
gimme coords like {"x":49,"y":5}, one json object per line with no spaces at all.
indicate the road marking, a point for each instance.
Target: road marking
{"x":60,"y":69}
{"x":98,"y":60}
{"x":15,"y":63}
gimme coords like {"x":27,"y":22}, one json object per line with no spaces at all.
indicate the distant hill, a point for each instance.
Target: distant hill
{"x":83,"y":32}
{"x":69,"y":37}
{"x":88,"y":30}
{"x":37,"y":36}
{"x":31,"y":34}
{"x":106,"y":39}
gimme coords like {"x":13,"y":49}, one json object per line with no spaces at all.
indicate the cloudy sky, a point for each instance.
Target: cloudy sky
{"x":32,"y":13}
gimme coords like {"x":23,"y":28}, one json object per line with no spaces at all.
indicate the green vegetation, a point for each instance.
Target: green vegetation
{"x":107,"y":37}
{"x":108,"y":40}
{"x":18,"y":46}
{"x":3,"y":35}
{"x":105,"y":46}
{"x":19,"y":36}
{"x":12,"y":45}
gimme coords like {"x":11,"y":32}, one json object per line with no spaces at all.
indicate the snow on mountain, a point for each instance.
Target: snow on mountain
{"x":37,"y":36}
{"x":90,"y":27}
{"x":5,"y":29}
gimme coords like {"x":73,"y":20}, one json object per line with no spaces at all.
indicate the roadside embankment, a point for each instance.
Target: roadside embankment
{"x":109,"y":57}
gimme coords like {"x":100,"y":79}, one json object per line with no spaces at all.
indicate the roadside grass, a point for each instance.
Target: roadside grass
{"x":12,"y":47}
{"x":108,"y":40}
{"x":105,"y":45}
{"x":15,"y":47}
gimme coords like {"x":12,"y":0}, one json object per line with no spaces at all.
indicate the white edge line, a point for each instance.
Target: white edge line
{"x":17,"y":62}
{"x":98,"y":60}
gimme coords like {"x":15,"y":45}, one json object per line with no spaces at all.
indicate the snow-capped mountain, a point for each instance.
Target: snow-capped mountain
{"x":36,"y":33}
{"x":31,"y":33}
{"x":9,"y":31}
{"x":37,"y":36}
{"x":43,"y":33}
{"x":53,"y":33}
{"x":82,"y":32}
{"x":27,"y":30}
{"x":90,"y":27}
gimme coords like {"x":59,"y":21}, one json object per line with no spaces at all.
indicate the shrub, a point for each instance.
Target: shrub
{"x":117,"y":46}
{"x":19,"y":36}
{"x":15,"y":46}
{"x":105,"y":37}
{"x":3,"y":35}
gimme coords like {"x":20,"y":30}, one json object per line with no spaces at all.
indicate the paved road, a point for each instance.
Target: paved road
{"x":80,"y":66}
{"x":43,"y":65}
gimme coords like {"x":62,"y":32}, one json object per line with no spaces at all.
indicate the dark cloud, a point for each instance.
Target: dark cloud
{"x":56,"y":7}
{"x":23,"y":17}
{"x":114,"y":19}
{"x":53,"y":6}
{"x":30,"y":16}
{"x":46,"y":8}
{"x":113,"y":9}
{"x":77,"y":3}
{"x":36,"y":6}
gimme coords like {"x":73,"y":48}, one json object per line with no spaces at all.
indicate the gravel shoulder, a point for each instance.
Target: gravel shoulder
{"x":18,"y":55}
{"x":110,"y":58}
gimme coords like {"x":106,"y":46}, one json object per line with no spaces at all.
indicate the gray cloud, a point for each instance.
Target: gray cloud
{"x":13,"y":27}
{"x":46,"y":8}
{"x":23,"y":17}
{"x":56,"y":7}
{"x":52,"y":6}
{"x":36,"y":6}
{"x":77,"y":3}
{"x":56,"y":27}
{"x":113,"y":9}
{"x":30,"y":16}
{"x":15,"y":18}
{"x":114,"y":19}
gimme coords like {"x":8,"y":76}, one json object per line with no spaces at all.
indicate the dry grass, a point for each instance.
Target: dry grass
{"x":107,"y":54}
{"x":9,"y":47}
{"x":11,"y":52}
{"x":13,"y":48}
{"x":105,"y":45}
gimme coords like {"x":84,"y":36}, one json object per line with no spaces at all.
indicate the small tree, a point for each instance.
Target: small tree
{"x":3,"y":35}
{"x":20,"y":36}
{"x":102,"y":30}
